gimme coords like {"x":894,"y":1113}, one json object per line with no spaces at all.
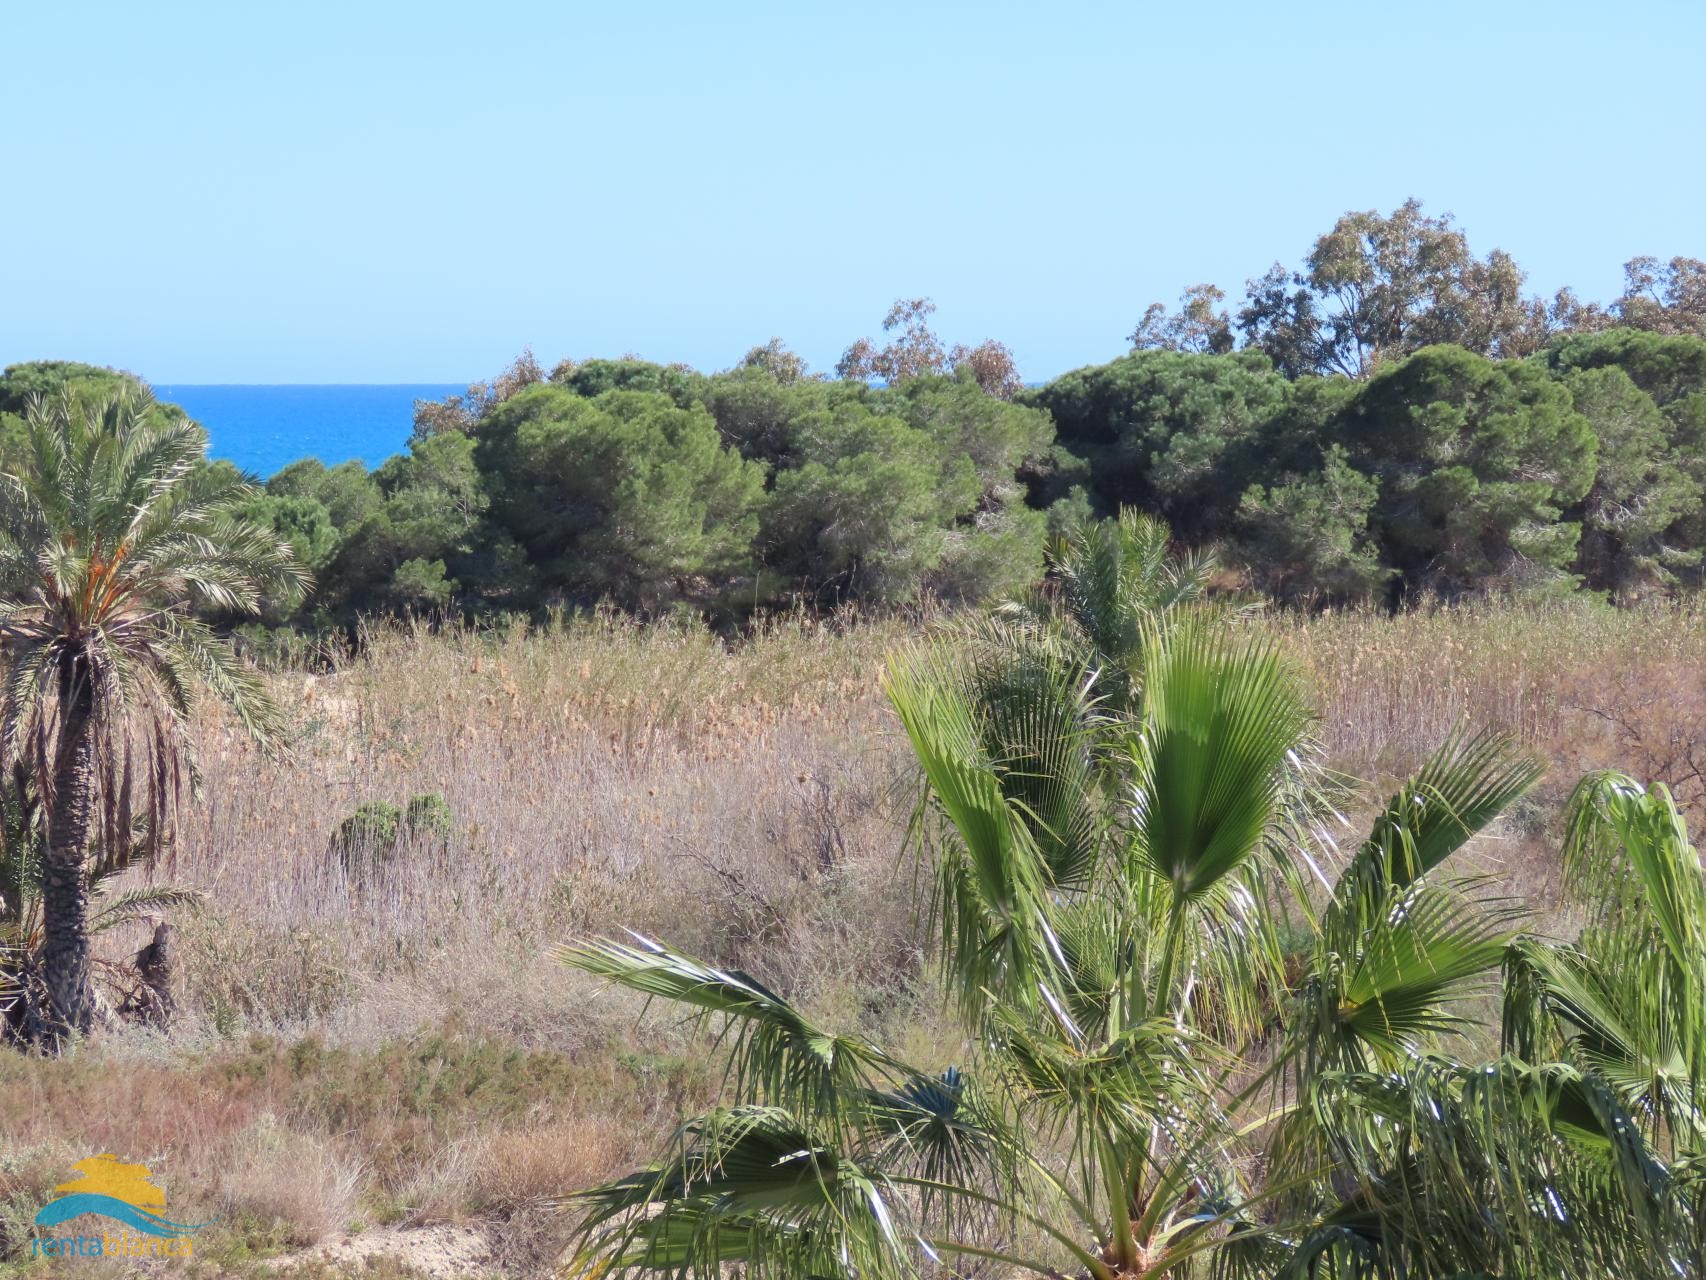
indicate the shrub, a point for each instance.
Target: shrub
{"x":368,"y":837}
{"x":429,"y":820}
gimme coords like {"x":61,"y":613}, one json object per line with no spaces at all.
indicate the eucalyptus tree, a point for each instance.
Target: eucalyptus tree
{"x":116,"y":541}
{"x":1376,"y":288}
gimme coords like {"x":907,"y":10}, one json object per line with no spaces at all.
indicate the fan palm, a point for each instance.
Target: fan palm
{"x":1110,"y":884}
{"x":1625,"y":1004}
{"x":1111,"y":584}
{"x":113,"y":535}
{"x":1576,"y":1152}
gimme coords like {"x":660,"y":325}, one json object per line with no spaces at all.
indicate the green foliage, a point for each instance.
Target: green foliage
{"x":759,"y":414}
{"x":1114,"y":585}
{"x":1174,"y":434}
{"x":624,"y":495}
{"x":367,"y":838}
{"x":1645,"y":485}
{"x":20,"y":383}
{"x":112,"y":535}
{"x":1180,"y":1058}
{"x":1668,"y":368}
{"x":371,"y":837}
{"x":429,"y":820}
{"x":1402,"y":419}
{"x":592,"y":378}
{"x":912,"y":489}
{"x":347,"y":491}
{"x":1448,"y":471}
{"x":87,"y":385}
{"x":1309,"y":538}
{"x":865,"y":512}
{"x":1477,"y":461}
{"x":420,"y":586}
{"x":653,"y":486}
{"x":1435,"y":471}
{"x":1069,"y":513}
{"x":303,"y":522}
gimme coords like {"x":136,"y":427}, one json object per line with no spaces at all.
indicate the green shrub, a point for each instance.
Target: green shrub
{"x":429,"y":820}
{"x":368,"y":837}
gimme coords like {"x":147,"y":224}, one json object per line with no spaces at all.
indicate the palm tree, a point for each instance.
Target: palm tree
{"x":113,"y":535}
{"x":1113,"y":879}
{"x":1578,"y":1150}
{"x":1110,"y":584}
{"x":23,"y":839}
{"x":1624,"y":1006}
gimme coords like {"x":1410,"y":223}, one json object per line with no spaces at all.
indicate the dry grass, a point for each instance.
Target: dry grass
{"x":1586,"y":686}
{"x":1390,"y":688}
{"x":399,"y":1047}
{"x":314,"y":1199}
{"x":748,"y":803}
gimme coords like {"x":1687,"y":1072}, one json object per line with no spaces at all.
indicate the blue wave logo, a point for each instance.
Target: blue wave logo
{"x":57,"y":1211}
{"x":113,"y":1189}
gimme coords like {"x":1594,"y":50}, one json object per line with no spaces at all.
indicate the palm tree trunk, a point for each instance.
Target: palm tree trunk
{"x":65,"y":884}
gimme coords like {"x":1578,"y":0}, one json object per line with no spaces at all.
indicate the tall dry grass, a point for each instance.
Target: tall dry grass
{"x":397,"y":1045}
{"x":1563,"y":677}
{"x":748,"y":801}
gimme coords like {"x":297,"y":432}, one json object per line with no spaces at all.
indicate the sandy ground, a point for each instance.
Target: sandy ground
{"x":438,"y":1252}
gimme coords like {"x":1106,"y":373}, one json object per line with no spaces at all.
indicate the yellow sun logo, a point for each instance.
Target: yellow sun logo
{"x":107,"y":1175}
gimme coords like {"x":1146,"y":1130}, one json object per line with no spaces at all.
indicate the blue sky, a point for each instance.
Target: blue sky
{"x":376,"y":192}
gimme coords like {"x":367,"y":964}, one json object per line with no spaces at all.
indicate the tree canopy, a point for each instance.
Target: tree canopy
{"x":1396,"y":416}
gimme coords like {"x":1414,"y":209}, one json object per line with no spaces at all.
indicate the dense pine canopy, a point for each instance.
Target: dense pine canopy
{"x":1393,"y":420}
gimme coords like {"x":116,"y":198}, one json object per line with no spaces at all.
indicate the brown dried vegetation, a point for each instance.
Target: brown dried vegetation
{"x":399,"y":1047}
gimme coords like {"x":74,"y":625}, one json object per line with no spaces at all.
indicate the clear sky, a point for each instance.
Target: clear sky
{"x":389,"y":192}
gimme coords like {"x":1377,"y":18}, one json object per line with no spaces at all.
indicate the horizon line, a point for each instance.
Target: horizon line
{"x":178,"y":382}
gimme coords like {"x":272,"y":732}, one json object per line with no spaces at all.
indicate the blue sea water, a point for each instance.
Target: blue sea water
{"x":265,"y":428}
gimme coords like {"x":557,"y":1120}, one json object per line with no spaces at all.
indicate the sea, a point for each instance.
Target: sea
{"x":265,"y":428}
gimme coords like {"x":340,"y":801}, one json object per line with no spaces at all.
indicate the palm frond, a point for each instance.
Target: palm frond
{"x":993,"y":879}
{"x":777,"y":1056}
{"x":1221,"y":718}
{"x":1502,"y":1169}
{"x":1467,"y":783}
{"x":753,"y":1186}
{"x":139,"y":904}
{"x":194,"y":657}
{"x":1627,"y":1001}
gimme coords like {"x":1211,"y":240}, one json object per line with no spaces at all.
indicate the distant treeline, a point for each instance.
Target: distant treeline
{"x":1395,"y":418}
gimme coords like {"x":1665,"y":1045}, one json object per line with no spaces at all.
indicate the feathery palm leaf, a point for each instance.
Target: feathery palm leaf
{"x":113,"y":533}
